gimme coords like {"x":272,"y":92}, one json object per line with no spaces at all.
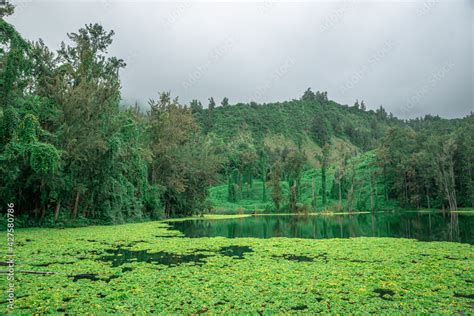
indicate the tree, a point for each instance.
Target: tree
{"x":183,"y":164}
{"x":225,"y":102}
{"x":243,"y":156}
{"x":308,"y":95}
{"x":350,"y":184}
{"x":196,"y":106}
{"x":341,"y":168}
{"x":234,"y":186}
{"x":356,"y":105}
{"x":464,"y":163}
{"x":445,"y":148}
{"x":398,"y":149}
{"x":294,"y":163}
{"x":262,"y":162}
{"x":322,"y":97}
{"x":15,"y":63}
{"x":29,"y":164}
{"x":88,"y":89}
{"x":212,"y":104}
{"x":314,"y":195}
{"x":275,"y":176}
{"x":381,"y":114}
{"x":6,"y":9}
{"x":320,"y":130}
{"x":209,"y":116}
{"x":324,"y":161}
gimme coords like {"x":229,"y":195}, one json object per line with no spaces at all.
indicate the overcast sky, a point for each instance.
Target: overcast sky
{"x":412,"y":57}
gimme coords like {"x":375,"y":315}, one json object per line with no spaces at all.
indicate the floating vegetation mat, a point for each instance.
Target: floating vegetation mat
{"x":148,"y":268}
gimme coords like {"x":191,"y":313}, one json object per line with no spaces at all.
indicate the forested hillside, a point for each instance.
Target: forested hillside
{"x":338,"y":157}
{"x":70,"y":152}
{"x":312,"y":115}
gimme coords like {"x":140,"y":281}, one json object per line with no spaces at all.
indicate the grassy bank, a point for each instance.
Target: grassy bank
{"x":146,"y":268}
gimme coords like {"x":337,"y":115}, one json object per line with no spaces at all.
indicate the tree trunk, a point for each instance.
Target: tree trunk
{"x":447,"y":191}
{"x":453,"y":185}
{"x":293,"y":197}
{"x":56,"y":211}
{"x":350,"y":197}
{"x":371,"y":195}
{"x":471,"y":186}
{"x":76,"y":205}
{"x":43,"y":207}
{"x":153,"y":175}
{"x":340,"y":193}
{"x":428,"y":198}
{"x":385,"y":184}
{"x":323,"y":184}
{"x":406,"y":188}
{"x":376,"y":196}
{"x":168,"y":208}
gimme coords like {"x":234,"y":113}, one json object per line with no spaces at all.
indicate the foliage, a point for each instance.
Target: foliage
{"x":71,"y":154}
{"x":356,"y":275}
{"x":413,"y":164}
{"x":422,"y":166}
{"x":183,"y":163}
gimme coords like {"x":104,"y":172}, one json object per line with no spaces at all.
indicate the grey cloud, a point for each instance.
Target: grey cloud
{"x":384,"y":52}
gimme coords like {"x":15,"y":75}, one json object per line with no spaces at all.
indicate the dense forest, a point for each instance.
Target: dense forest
{"x":72,"y":152}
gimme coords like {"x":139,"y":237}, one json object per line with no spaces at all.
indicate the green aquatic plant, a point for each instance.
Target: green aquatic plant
{"x":244,"y":275}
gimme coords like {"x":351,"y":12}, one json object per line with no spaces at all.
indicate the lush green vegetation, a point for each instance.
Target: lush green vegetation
{"x":72,"y":154}
{"x":105,"y":269}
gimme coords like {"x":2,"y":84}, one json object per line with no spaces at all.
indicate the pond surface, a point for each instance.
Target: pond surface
{"x":421,"y":226}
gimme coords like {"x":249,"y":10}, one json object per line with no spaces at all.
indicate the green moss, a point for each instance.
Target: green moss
{"x":359,"y":275}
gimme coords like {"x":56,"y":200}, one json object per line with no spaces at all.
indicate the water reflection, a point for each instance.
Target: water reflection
{"x":422,"y":226}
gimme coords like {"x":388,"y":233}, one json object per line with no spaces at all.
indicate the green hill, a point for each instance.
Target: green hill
{"x":352,"y":135}
{"x":315,"y":118}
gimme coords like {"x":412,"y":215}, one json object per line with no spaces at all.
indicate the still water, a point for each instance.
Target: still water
{"x":421,"y":226}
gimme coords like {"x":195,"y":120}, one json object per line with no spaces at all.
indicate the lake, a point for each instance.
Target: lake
{"x":423,"y":226}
